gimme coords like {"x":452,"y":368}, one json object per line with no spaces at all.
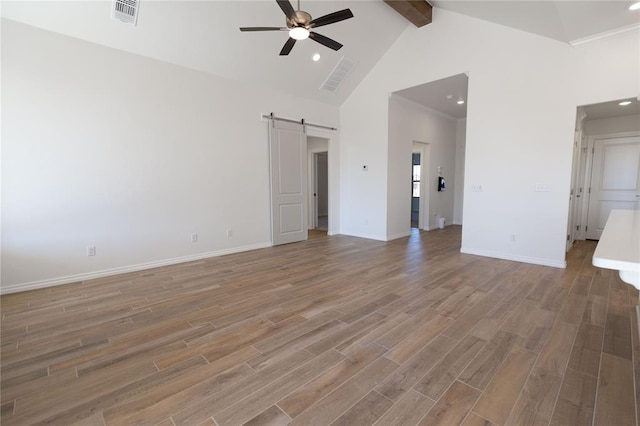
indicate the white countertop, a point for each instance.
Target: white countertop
{"x":619,"y":245}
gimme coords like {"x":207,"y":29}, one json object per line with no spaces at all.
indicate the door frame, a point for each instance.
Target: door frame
{"x":332,"y":175}
{"x":591,"y":140}
{"x":313,"y":185}
{"x":577,"y":180}
{"x":424,"y":149}
{"x":574,"y":194}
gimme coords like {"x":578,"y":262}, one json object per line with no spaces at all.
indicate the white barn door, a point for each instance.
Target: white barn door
{"x":288,"y":155}
{"x":615,"y":180}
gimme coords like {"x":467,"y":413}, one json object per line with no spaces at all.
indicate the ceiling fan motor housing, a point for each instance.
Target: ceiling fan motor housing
{"x":300,"y":23}
{"x":302,"y":19}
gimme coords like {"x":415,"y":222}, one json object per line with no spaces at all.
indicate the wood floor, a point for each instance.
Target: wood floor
{"x":336,"y":330}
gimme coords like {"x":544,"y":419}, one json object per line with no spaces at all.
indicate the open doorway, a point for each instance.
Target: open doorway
{"x":318,"y":153}
{"x":419,"y":191}
{"x":415,"y":189}
{"x":321,"y":191}
{"x":606,"y":166}
{"x":430,"y":117}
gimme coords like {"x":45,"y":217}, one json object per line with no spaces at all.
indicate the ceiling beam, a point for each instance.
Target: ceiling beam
{"x":418,"y":12}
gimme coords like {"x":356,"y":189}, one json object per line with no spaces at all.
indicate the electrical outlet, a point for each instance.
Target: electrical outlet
{"x":91,"y":250}
{"x":542,"y":187}
{"x":194,"y":238}
{"x":229,"y":233}
{"x":512,"y":238}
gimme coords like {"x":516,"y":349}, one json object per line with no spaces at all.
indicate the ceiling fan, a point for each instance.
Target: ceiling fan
{"x":300,"y":24}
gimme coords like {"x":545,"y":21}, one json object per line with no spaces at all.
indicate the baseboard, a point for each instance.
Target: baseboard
{"x":367,"y":236}
{"x":34,"y":285}
{"x":515,"y":258}
{"x":399,"y":235}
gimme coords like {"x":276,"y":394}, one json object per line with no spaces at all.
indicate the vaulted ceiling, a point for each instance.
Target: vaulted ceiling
{"x":204,"y":35}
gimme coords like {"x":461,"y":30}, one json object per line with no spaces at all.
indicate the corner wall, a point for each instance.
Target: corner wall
{"x":458,"y":202}
{"x":523,"y":94}
{"x":132,"y":155}
{"x":409,"y":122}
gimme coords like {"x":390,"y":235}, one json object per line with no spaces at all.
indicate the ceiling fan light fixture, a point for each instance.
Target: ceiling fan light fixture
{"x":460,"y":101}
{"x":315,"y":57}
{"x":299,"y":33}
{"x":299,"y":24}
{"x":625,"y":103}
{"x":635,"y":6}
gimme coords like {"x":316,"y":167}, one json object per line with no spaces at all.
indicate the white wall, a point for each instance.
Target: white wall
{"x":603,"y":126}
{"x":130,"y":154}
{"x":458,"y":195}
{"x":523,"y":94}
{"x":316,"y":144}
{"x":409,"y":122}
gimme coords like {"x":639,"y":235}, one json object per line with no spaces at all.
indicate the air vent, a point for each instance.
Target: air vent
{"x":125,"y":11}
{"x":339,"y":73}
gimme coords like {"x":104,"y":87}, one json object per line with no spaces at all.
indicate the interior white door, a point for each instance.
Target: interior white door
{"x":615,"y":180}
{"x":288,"y":156}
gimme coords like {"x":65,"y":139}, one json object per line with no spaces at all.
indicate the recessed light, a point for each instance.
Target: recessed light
{"x":625,"y":103}
{"x":635,"y":6}
{"x":460,"y":102}
{"x":316,"y":57}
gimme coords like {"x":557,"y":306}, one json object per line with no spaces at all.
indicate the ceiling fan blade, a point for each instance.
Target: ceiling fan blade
{"x":326,"y":41}
{"x":288,"y":10}
{"x":287,"y":46}
{"x":263,"y":29}
{"x":331,"y":18}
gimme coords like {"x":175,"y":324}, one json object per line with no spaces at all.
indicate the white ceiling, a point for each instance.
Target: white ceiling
{"x":612,"y":109}
{"x":569,"y":20}
{"x":204,"y":35}
{"x":441,"y":95}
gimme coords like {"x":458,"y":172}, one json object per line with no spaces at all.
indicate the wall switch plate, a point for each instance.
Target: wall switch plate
{"x":229,"y":233}
{"x":542,"y":187}
{"x":194,"y":238}
{"x":91,"y":250}
{"x":476,"y":188}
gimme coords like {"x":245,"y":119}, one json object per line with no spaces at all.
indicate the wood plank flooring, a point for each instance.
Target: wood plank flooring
{"x":332,"y":331}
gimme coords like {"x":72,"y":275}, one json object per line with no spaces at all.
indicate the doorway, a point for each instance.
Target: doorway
{"x":415,"y":190}
{"x":606,"y":166}
{"x":318,"y":152}
{"x":419,"y":191}
{"x":321,"y":190}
